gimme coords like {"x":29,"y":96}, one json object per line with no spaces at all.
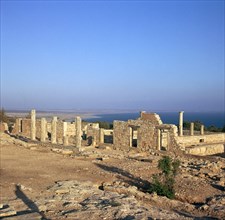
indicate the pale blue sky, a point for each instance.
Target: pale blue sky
{"x":150,"y":55}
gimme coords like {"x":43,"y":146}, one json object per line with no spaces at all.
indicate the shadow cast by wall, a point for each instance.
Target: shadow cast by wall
{"x":29,"y":203}
{"x":126,"y":177}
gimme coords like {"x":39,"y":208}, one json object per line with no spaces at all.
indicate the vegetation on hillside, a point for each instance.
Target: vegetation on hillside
{"x":3,"y":116}
{"x":104,"y":124}
{"x":197,"y":127}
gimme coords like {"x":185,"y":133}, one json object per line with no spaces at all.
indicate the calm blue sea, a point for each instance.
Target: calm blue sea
{"x":207,"y":118}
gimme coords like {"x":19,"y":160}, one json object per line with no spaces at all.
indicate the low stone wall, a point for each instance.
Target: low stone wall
{"x":185,"y":141}
{"x":206,"y":150}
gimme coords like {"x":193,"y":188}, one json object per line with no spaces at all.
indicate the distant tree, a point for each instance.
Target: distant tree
{"x":223,"y":129}
{"x":104,"y":124}
{"x":197,"y":125}
{"x":186,"y":125}
{"x":213,"y":128}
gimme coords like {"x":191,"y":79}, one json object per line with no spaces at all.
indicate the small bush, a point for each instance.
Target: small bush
{"x":163,"y":183}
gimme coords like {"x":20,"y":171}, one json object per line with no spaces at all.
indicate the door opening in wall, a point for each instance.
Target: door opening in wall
{"x":164,"y":139}
{"x":20,"y":126}
{"x":133,"y":136}
{"x":108,"y":139}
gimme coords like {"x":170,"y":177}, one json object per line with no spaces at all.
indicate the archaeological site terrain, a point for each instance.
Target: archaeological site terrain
{"x":54,"y":169}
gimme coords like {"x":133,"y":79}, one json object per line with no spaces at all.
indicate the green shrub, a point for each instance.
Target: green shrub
{"x":163,"y":183}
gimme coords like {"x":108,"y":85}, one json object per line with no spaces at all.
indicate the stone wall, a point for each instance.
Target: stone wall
{"x":26,"y":127}
{"x":38,"y":128}
{"x":92,"y":132}
{"x":206,"y":149}
{"x":146,"y":136}
{"x":3,"y":127}
{"x":121,"y":135}
{"x":153,"y":117}
{"x":126,"y":132}
{"x":185,"y":141}
{"x":71,"y":129}
{"x":59,"y":132}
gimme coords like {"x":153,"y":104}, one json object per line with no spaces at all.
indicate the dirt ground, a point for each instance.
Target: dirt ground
{"x":33,"y":169}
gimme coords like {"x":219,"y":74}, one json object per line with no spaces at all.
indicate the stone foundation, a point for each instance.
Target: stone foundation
{"x":206,"y":150}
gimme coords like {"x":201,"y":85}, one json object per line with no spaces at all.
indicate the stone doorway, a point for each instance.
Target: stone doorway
{"x":133,"y":136}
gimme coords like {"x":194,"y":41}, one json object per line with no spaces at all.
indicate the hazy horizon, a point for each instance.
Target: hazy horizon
{"x":107,"y":111}
{"x":136,"y":55}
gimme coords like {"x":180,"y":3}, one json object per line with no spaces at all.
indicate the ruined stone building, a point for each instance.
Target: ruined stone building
{"x":146,"y":133}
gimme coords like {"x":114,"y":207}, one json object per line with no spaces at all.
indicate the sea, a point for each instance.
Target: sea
{"x":207,"y":118}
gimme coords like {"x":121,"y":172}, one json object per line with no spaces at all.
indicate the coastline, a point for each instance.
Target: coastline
{"x":208,"y":119}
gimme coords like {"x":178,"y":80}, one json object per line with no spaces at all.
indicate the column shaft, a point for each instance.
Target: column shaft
{"x":33,"y":125}
{"x":78,"y":132}
{"x":158,"y":139}
{"x":202,"y":130}
{"x":181,"y":114}
{"x":54,"y":130}
{"x":43,"y":129}
{"x":101,"y":136}
{"x":192,"y":129}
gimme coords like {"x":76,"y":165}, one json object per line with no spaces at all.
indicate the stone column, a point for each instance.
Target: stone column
{"x":66,"y":140}
{"x":158,"y":139}
{"x":54,"y":130}
{"x":19,"y":125}
{"x":78,"y":132}
{"x":64,"y":129}
{"x":93,"y":144}
{"x":65,"y":137}
{"x":131,"y":136}
{"x":181,"y":115}
{"x":192,"y":128}
{"x":43,"y":129}
{"x":33,"y":125}
{"x":101,"y":136}
{"x":202,"y":130}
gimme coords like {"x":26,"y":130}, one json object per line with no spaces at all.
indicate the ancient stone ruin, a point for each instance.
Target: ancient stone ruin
{"x":146,"y":133}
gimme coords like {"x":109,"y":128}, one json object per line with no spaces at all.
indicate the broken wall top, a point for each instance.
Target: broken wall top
{"x":153,"y":117}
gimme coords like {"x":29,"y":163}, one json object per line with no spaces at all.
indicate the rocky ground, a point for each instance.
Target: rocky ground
{"x":44,"y":181}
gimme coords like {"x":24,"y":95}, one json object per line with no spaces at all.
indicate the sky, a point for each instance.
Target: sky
{"x":137,"y":55}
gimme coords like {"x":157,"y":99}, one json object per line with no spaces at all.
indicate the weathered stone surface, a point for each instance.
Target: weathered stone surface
{"x":7,"y":211}
{"x":67,"y":152}
{"x":206,"y":149}
{"x":3,"y":127}
{"x":54,"y":131}
{"x":82,"y":200}
{"x":33,"y":125}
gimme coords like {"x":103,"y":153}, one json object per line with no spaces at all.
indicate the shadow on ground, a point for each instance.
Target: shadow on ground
{"x":29,"y":203}
{"x":126,"y":177}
